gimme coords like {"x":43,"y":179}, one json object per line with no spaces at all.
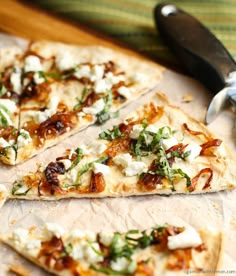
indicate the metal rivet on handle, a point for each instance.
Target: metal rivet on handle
{"x":169,"y":10}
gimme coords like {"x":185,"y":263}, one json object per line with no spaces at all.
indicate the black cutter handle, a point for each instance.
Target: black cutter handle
{"x":203,"y":55}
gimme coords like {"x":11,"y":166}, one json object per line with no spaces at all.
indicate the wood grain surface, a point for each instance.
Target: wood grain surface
{"x":28,"y":21}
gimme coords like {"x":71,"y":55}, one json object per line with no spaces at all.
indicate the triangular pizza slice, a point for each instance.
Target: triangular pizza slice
{"x":62,"y":89}
{"x":161,"y":250}
{"x":159,"y":149}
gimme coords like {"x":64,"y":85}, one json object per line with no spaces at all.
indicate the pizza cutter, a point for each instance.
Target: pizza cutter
{"x":203,"y":55}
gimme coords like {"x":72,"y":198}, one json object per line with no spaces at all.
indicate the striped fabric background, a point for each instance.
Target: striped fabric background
{"x":131,"y":21}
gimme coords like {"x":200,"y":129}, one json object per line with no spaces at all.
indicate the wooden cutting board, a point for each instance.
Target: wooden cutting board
{"x":28,"y":21}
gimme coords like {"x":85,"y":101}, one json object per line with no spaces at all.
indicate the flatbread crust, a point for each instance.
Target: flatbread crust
{"x":53,"y":79}
{"x":202,"y":258}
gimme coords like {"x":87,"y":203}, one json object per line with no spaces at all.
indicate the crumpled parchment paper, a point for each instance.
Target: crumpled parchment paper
{"x":216,"y":211}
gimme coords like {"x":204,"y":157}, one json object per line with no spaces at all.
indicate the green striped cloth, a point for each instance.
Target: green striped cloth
{"x":131,"y":21}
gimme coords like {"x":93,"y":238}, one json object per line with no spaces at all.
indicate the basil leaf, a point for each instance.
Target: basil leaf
{"x":88,"y":166}
{"x":104,"y":115}
{"x":16,"y":187}
{"x":68,"y":74}
{"x":110,"y":135}
{"x":81,"y":100}
{"x":183,"y":174}
{"x":68,"y":249}
{"x":3,"y":90}
{"x":79,"y":152}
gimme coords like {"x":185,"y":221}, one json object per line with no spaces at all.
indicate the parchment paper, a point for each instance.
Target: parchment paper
{"x":216,"y":211}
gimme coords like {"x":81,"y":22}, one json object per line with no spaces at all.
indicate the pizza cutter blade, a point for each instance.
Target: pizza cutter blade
{"x":203,"y":55}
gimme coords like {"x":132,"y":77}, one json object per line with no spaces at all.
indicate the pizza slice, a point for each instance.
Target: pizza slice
{"x":9,"y":104}
{"x":62,"y":89}
{"x":161,"y":250}
{"x":159,"y":149}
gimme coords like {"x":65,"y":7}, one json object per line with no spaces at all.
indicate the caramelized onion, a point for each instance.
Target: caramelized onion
{"x":148,"y":180}
{"x":195,"y":133}
{"x":209,"y":144}
{"x":97,"y":183}
{"x":51,"y":184}
{"x":194,"y":181}
{"x":53,"y":251}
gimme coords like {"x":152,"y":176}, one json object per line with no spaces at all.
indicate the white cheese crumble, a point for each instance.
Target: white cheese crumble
{"x":95,"y":148}
{"x":4,"y":143}
{"x":124,"y":91}
{"x":15,"y":80}
{"x":102,"y":85}
{"x":123,"y":263}
{"x":112,"y":79}
{"x":188,"y":238}
{"x":78,"y":234}
{"x":66,"y":162}
{"x":9,"y":105}
{"x":32,"y":63}
{"x":170,"y":142}
{"x":83,"y":71}
{"x":194,"y":149}
{"x":3,"y":195}
{"x":33,"y":246}
{"x":23,"y":138}
{"x":38,"y":79}
{"x":94,"y":109}
{"x":54,"y":229}
{"x":100,"y":168}
{"x":65,"y":61}
{"x":92,"y":253}
{"x":106,"y":238}
{"x":137,"y":129}
{"x":135,"y":168}
{"x":78,"y":250}
{"x":20,"y":235}
{"x":41,"y":116}
{"x":131,"y":168}
{"x":97,"y":72}
{"x":123,"y":159}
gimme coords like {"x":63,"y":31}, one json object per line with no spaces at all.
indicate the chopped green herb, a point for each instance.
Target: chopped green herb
{"x":81,"y":100}
{"x":105,"y":115}
{"x":69,"y":73}
{"x":110,"y":135}
{"x":4,"y":112}
{"x":3,"y":152}
{"x":3,"y":90}
{"x":165,"y":169}
{"x":88,"y":166}
{"x":16,"y":187}
{"x":68,"y":249}
{"x":79,"y":152}
{"x":25,"y":135}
